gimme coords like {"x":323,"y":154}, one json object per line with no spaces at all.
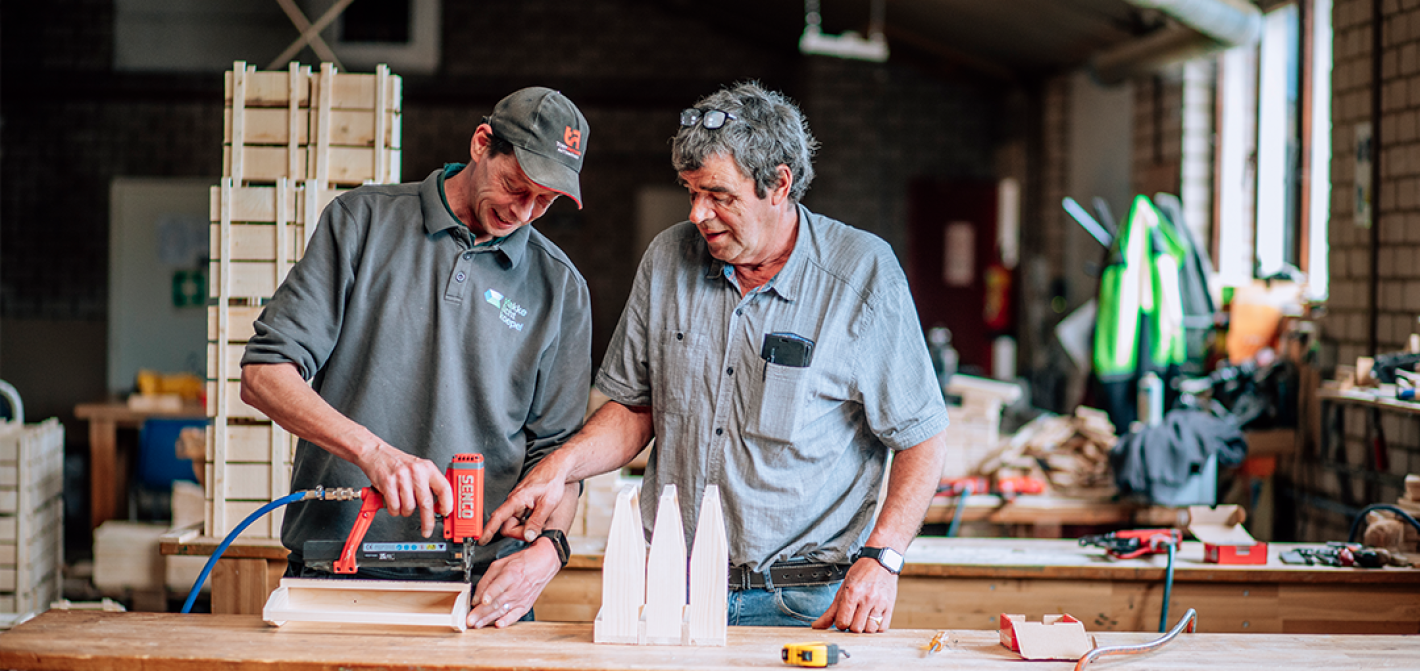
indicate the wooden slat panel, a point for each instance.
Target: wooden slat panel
{"x":240,"y":325}
{"x":234,"y":360}
{"x":357,"y":91}
{"x":251,"y":443}
{"x":271,"y":126}
{"x":349,"y":166}
{"x":253,"y":204}
{"x":252,"y":279}
{"x":235,"y":406}
{"x":248,"y":481}
{"x":257,"y":242}
{"x":269,"y":89}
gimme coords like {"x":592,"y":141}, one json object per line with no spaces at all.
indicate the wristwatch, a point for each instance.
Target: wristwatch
{"x":559,"y":541}
{"x":889,"y":558}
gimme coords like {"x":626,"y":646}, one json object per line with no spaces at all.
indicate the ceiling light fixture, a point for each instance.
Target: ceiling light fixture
{"x":848,"y":45}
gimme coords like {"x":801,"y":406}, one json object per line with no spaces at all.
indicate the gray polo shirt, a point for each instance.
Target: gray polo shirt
{"x":437,"y":346}
{"x":798,"y":452}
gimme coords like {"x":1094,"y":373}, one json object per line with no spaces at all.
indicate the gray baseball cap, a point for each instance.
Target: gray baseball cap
{"x":549,"y":137}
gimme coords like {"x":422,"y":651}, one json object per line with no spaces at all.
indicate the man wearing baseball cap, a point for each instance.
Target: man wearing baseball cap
{"x":426,"y":320}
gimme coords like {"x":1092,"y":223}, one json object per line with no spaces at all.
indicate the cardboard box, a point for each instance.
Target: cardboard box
{"x":1225,"y":541}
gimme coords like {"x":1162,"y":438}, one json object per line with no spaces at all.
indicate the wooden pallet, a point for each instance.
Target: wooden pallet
{"x":335,"y":128}
{"x":292,"y":142}
{"x":31,"y":515}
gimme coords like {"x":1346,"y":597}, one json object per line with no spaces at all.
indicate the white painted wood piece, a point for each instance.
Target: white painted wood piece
{"x":393,"y":602}
{"x":623,"y":573}
{"x":663,"y":617}
{"x":709,"y":574}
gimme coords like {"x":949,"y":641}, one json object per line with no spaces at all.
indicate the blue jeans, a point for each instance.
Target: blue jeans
{"x":796,"y":606}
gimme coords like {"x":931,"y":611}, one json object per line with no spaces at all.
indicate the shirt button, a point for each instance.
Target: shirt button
{"x":680,"y":336}
{"x":730,"y":370}
{"x":739,"y":311}
{"x":459,"y":277}
{"x":468,"y":255}
{"x":719,"y":431}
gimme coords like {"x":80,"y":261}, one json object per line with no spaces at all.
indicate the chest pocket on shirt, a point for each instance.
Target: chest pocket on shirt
{"x":682,"y":356}
{"x":775,"y":416}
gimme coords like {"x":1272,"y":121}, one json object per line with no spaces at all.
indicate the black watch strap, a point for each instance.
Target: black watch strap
{"x":559,"y":541}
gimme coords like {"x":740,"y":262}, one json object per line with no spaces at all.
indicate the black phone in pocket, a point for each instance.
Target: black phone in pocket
{"x":787,"y":349}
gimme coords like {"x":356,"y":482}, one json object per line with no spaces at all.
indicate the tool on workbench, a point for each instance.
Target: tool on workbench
{"x":1132,"y":543}
{"x":1339,"y":554}
{"x":461,"y":531}
{"x":816,"y":653}
{"x":935,"y":645}
{"x":465,"y":474}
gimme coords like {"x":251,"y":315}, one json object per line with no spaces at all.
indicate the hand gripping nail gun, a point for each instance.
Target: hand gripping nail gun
{"x":461,"y":531}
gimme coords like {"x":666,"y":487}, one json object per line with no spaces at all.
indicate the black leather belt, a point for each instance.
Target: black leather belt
{"x":793,"y":574}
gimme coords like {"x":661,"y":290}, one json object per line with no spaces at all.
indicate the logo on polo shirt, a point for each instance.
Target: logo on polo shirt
{"x":508,"y":311}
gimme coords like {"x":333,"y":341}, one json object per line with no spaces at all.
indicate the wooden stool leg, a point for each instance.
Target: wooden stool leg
{"x":241,"y":586}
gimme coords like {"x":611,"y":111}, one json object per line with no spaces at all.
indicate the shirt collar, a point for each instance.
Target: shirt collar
{"x":787,"y":281}
{"x":438,"y":217}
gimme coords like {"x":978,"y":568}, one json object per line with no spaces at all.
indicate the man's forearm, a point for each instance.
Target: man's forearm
{"x":612,"y":437}
{"x":278,"y":391}
{"x":916,"y":473}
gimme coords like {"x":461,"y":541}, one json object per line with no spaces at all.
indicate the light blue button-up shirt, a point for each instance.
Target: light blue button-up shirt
{"x":798,"y":452}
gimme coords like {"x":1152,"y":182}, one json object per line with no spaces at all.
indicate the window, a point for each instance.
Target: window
{"x":1274,"y":149}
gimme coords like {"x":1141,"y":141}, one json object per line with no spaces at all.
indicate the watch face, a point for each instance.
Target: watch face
{"x":891,"y":559}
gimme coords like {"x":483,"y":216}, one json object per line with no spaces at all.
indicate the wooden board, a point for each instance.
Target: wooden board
{"x":379,"y":602}
{"x":348,"y":166}
{"x":87,"y":640}
{"x":664,"y":615}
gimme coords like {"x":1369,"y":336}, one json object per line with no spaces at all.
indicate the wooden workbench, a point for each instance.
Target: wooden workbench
{"x":82,"y":640}
{"x":108,"y":472}
{"x":966,"y":583}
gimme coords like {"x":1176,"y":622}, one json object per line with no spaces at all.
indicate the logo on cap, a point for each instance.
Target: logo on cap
{"x":571,"y":143}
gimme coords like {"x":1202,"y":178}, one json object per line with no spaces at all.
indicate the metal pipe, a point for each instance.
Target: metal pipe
{"x":1202,"y":26}
{"x":1189,"y":620}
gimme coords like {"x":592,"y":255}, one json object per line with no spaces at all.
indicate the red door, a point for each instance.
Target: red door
{"x":951,"y":235}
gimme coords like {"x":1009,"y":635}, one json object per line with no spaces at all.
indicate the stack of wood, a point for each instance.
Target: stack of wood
{"x":1385,"y":529}
{"x":292,"y":142}
{"x":31,"y":515}
{"x":1071,"y":453}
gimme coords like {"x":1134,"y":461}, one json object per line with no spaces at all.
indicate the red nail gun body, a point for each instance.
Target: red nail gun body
{"x":1133,"y":543}
{"x":462,"y":529}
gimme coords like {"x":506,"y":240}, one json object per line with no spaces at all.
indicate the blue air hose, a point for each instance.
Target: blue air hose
{"x":217,"y":554}
{"x":961,"y":508}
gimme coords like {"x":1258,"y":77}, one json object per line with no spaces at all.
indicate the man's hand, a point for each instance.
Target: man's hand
{"x":408,"y":483}
{"x":864,"y":602}
{"x":529,"y":505}
{"x":511,"y":585}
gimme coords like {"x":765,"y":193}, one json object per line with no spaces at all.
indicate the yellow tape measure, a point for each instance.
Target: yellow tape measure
{"x":812,"y":654}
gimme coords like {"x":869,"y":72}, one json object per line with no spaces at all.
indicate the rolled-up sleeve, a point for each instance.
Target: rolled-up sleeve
{"x":302,"y":321}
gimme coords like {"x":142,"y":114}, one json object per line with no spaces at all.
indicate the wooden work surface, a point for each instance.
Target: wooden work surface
{"x":108,"y":473}
{"x":1370,"y":397}
{"x":80,"y":640}
{"x":966,"y":583}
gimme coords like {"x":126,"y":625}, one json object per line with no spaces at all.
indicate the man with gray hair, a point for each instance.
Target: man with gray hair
{"x":777,"y":354}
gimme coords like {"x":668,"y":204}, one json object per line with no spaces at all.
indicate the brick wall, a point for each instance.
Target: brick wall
{"x":1384,"y":257}
{"x":71,"y":125}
